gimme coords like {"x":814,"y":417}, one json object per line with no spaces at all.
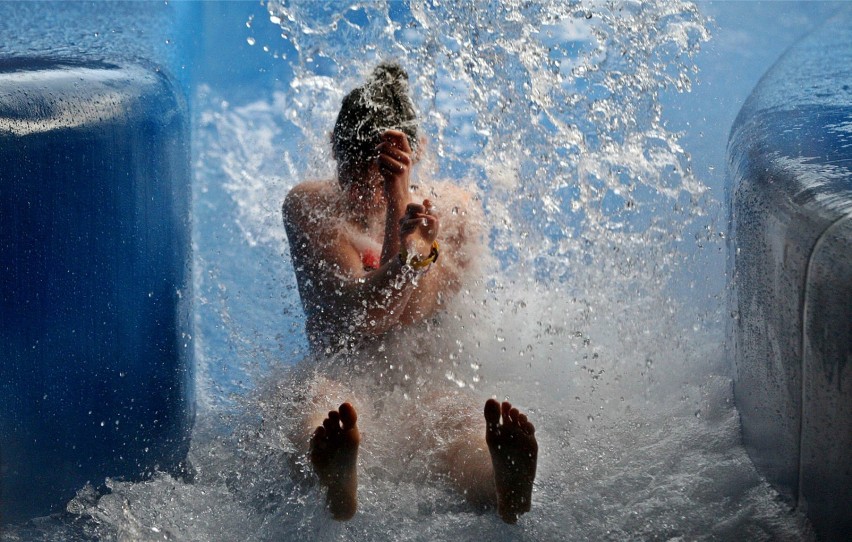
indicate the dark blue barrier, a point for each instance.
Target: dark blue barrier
{"x":96,"y":373}
{"x":790,"y":189}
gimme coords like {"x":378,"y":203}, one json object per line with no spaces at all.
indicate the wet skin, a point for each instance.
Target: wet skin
{"x":340,"y":296}
{"x":334,"y":455}
{"x":511,"y":443}
{"x":514,"y":453}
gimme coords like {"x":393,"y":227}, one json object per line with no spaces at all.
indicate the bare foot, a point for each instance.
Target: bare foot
{"x":514,"y":452}
{"x":334,"y":454}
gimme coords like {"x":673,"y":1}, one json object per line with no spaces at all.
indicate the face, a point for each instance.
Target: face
{"x":364,"y":187}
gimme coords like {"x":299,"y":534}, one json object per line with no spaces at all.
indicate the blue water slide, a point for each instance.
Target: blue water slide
{"x":96,"y":367}
{"x":790,"y":262}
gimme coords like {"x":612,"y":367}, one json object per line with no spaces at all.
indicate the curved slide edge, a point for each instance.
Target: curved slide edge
{"x":96,"y":372}
{"x":790,"y":196}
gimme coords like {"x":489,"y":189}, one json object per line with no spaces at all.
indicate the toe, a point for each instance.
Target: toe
{"x":331,"y":426}
{"x":318,"y":438}
{"x":334,"y":416}
{"x":528,"y":427}
{"x":514,"y":413}
{"x":506,"y":408}
{"x":348,"y":416}
{"x":492,"y":413}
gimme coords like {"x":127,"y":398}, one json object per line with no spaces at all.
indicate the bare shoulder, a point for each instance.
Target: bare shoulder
{"x":306,"y":200}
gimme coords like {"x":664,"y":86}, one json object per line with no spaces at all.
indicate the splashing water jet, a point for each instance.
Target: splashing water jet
{"x":550,"y":112}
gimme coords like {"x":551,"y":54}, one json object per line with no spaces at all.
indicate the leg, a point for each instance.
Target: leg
{"x":468,"y":465}
{"x":334,"y":455}
{"x":514,"y":452}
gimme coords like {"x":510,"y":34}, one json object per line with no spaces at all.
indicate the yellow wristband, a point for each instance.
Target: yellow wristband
{"x":416,"y":262}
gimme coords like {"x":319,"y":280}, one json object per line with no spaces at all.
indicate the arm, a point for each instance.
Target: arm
{"x":332,"y":282}
{"x":461,"y":241}
{"x":395,"y":162}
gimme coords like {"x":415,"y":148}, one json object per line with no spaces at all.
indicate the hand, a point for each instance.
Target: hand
{"x":395,"y":160}
{"x":418,"y":228}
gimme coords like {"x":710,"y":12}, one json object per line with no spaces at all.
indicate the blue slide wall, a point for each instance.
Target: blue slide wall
{"x":96,"y":371}
{"x":790,"y":189}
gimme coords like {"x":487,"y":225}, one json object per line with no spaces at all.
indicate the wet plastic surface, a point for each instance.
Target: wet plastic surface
{"x":790,"y":174}
{"x":96,"y":376}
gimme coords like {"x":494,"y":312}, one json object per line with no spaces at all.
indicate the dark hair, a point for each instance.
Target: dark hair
{"x":382,"y":103}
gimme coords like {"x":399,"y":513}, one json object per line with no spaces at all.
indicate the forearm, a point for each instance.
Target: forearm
{"x":395,"y":212}
{"x":374,"y":303}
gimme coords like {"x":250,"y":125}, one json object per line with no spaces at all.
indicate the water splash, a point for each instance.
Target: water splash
{"x":549,"y":111}
{"x":550,"y":108}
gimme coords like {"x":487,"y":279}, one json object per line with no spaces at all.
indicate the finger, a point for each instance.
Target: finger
{"x":414,"y":208}
{"x":419,"y":218}
{"x":427,"y":204}
{"x":431,"y":225}
{"x":389,"y":149}
{"x":386,"y":163}
{"x":399,"y":139}
{"x":411,"y":225}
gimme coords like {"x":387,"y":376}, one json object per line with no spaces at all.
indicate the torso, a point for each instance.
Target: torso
{"x":458,"y":237}
{"x":368,"y":246}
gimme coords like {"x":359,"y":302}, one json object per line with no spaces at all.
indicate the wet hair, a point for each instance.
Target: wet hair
{"x":382,"y":103}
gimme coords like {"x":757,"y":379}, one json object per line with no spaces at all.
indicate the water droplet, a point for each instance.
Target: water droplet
{"x":250,"y":40}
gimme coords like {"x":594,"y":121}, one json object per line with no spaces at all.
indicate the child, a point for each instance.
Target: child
{"x":371,"y":262}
